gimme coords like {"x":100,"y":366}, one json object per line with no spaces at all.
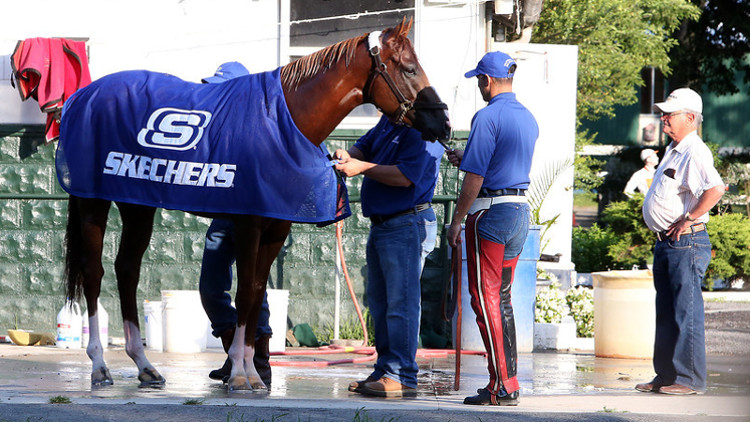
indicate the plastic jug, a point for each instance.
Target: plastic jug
{"x":69,"y":326}
{"x":103,"y":325}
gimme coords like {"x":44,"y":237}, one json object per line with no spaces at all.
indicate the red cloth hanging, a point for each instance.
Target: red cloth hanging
{"x":50,"y":70}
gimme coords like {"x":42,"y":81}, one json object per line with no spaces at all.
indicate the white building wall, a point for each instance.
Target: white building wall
{"x":189,"y":38}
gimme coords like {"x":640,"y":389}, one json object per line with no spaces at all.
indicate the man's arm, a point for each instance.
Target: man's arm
{"x":707,"y":200}
{"x":469,"y":192}
{"x":351,"y":163}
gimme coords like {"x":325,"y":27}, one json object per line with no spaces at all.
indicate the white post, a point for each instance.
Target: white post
{"x":337,"y":295}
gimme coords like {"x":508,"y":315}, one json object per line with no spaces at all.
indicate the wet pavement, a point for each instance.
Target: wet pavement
{"x":554,"y":386}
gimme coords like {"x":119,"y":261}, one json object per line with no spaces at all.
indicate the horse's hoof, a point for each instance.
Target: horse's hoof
{"x":101,"y":378}
{"x":259,"y":386}
{"x":238,"y":384}
{"x":151,"y":378}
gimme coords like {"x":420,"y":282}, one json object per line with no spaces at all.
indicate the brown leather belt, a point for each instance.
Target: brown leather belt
{"x":695,"y":228}
{"x":377,"y":219}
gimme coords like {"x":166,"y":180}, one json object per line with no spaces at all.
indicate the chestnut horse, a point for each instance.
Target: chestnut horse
{"x":319,"y":91}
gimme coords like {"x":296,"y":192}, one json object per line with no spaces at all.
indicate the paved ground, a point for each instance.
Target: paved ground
{"x":555,"y":386}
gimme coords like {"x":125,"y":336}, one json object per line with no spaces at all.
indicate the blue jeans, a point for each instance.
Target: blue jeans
{"x":506,"y":224}
{"x":216,"y":281}
{"x":396,"y":251}
{"x":680,"y":344}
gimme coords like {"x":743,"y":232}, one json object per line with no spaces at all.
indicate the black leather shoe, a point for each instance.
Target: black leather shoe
{"x":485,"y":398}
{"x":222,"y":374}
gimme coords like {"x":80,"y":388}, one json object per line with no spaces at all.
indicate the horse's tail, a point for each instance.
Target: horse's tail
{"x":73,"y":247}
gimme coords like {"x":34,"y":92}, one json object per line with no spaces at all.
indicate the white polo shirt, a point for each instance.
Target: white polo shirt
{"x":686,"y":171}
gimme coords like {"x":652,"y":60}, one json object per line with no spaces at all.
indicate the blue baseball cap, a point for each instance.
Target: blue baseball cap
{"x":495,"y":64}
{"x":225,"y":72}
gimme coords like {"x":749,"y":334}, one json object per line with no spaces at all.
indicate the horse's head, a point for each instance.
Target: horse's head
{"x":399,"y":87}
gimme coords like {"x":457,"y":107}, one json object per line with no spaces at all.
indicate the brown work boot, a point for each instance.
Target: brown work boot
{"x":262,"y":357}
{"x":386,"y":387}
{"x":355,"y":386}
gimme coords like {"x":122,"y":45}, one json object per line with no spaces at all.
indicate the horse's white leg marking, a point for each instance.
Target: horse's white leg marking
{"x":94,"y":348}
{"x":134,"y":345}
{"x":238,"y":376}
{"x":99,"y":372}
{"x":147,"y":374}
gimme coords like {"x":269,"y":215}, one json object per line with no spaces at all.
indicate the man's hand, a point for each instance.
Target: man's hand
{"x":678,"y":227}
{"x":454,"y":233}
{"x":351,"y":166}
{"x":455,"y":156}
{"x":342,"y":155}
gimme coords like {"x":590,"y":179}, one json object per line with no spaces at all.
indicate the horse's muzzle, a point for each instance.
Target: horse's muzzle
{"x":431,"y":116}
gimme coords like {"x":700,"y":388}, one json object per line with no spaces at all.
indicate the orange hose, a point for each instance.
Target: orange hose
{"x":367,"y":350}
{"x":340,"y":245}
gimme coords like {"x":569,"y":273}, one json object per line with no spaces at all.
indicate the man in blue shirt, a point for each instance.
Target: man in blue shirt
{"x":216,"y":276}
{"x":400,"y":172}
{"x":497,"y":161}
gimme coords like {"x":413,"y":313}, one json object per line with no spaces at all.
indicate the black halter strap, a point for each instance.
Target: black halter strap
{"x":379,"y":69}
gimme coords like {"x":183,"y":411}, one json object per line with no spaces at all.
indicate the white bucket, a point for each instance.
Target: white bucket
{"x":184,"y":321}
{"x":152,"y":314}
{"x":278,"y":303}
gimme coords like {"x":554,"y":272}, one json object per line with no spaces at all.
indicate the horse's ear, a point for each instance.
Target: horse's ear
{"x":404,"y":27}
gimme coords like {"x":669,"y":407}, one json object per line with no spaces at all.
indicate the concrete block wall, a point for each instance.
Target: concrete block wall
{"x":33,"y":216}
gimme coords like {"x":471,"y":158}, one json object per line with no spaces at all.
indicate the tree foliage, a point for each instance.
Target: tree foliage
{"x":712,"y":49}
{"x":616,"y":39}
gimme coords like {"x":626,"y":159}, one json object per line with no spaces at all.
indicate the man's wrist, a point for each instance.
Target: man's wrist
{"x":688,"y":218}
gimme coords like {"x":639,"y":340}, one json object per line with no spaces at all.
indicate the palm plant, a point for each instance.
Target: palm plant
{"x":541,"y":184}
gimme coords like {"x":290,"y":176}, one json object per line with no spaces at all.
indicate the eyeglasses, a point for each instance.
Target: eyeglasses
{"x":667,"y":116}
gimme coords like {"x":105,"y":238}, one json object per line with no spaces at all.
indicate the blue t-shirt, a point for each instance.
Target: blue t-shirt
{"x":501,"y":143}
{"x":418,"y":160}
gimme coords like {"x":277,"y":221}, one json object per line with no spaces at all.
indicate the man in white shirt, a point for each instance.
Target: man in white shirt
{"x":642,"y":178}
{"x":684,"y":190}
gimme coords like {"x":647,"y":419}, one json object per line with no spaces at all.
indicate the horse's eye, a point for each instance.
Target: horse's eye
{"x":410,"y":72}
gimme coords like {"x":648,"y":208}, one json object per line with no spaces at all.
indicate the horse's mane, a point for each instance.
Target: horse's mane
{"x":308,"y":66}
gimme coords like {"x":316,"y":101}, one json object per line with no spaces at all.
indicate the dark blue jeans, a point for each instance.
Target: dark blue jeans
{"x":216,"y":281}
{"x":680,"y":344}
{"x":396,"y":251}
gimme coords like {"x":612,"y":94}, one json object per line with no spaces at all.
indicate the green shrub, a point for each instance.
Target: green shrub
{"x":634,"y":241}
{"x":590,"y":248}
{"x":730,"y":248}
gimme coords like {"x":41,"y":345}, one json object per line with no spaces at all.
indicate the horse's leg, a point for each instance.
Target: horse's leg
{"x":258,"y":243}
{"x":137,"y":225}
{"x":92,"y":214}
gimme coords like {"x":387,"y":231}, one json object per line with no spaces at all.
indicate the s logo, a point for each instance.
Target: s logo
{"x":172,"y":128}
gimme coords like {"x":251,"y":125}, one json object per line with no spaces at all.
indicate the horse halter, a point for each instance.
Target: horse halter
{"x":379,"y":69}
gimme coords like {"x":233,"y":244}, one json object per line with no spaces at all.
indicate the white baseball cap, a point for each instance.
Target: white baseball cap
{"x":681,"y":99}
{"x":647,"y":153}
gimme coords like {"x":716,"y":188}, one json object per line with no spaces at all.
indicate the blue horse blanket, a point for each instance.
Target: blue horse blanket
{"x":153,"y":139}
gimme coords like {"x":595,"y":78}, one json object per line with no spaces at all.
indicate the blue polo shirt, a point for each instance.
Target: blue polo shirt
{"x":501,"y":143}
{"x":418,"y":160}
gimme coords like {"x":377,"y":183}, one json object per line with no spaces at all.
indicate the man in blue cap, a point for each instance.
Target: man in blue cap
{"x":497,"y":161}
{"x":216,"y":276}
